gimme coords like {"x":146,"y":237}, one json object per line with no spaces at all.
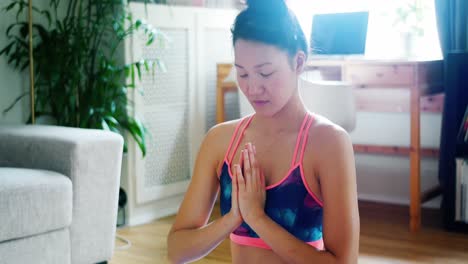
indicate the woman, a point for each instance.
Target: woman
{"x":286,"y":176}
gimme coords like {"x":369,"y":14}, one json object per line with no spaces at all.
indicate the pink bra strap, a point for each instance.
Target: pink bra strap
{"x":298,"y":140}
{"x":306,"y":136}
{"x":230,"y":157}
{"x":233,"y":138}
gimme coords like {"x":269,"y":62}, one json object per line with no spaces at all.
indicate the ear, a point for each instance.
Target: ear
{"x":300,"y":62}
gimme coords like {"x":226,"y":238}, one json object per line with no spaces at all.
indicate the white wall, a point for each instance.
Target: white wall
{"x":12,"y":83}
{"x":386,"y":178}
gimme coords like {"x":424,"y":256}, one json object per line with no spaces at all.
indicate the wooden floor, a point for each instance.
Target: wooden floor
{"x":384,"y":239}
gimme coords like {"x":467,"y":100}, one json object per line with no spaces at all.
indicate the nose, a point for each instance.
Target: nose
{"x":255,"y":87}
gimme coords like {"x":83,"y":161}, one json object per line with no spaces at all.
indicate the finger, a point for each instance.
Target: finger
{"x":240,"y":179}
{"x":241,"y":160}
{"x":247,"y":170}
{"x":234,"y":189}
{"x":253,"y":164}
{"x":260,"y":174}
{"x":235,"y":192}
{"x":262,"y":178}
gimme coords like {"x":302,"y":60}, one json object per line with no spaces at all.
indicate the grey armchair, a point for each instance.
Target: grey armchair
{"x":58,"y":194}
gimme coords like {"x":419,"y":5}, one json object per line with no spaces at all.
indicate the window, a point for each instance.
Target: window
{"x":396,"y":29}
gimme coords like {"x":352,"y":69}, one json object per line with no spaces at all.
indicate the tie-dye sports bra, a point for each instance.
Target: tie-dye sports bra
{"x":290,"y":202}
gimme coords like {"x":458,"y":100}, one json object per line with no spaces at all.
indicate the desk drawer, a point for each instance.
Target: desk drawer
{"x":381,"y":75}
{"x":395,"y":100}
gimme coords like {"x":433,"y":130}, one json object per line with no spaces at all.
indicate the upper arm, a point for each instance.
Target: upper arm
{"x":200,"y":197}
{"x":337,"y":176}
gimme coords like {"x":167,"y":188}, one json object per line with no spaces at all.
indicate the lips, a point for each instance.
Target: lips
{"x":260,"y":102}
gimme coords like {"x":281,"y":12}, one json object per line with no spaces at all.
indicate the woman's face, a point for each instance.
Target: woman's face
{"x":265,"y":75}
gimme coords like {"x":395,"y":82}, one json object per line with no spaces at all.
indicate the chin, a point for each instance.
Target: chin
{"x":265,"y":112}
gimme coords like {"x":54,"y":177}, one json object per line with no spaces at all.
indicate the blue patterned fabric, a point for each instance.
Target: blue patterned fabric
{"x":289,"y":204}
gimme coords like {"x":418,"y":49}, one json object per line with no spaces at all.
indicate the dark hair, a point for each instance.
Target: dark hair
{"x":270,"y":22}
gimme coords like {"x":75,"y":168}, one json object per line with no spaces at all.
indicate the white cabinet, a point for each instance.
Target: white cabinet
{"x":174,"y":105}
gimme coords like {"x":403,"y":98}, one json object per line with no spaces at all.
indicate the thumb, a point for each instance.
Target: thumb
{"x":239,"y":178}
{"x":234,"y":191}
{"x":234,"y":182}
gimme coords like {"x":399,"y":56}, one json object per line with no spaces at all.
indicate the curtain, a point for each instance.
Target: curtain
{"x":452,"y":21}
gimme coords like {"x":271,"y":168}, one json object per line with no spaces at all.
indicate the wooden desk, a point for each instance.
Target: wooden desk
{"x":422,"y":78}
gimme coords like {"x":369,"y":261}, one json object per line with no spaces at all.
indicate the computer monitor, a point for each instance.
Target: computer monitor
{"x":340,"y":33}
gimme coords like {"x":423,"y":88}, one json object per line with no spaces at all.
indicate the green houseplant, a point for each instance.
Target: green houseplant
{"x":409,"y":17}
{"x":80,"y":81}
{"x":409,"y":21}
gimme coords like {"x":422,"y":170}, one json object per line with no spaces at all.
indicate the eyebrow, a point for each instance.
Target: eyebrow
{"x":256,"y":66}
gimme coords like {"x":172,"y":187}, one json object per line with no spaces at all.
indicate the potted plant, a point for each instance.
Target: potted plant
{"x":409,"y":20}
{"x":79,"y":79}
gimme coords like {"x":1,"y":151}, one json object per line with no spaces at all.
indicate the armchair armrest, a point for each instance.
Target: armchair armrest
{"x":92,"y":159}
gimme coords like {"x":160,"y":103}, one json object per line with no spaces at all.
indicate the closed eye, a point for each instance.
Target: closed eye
{"x":243,"y":75}
{"x":265,"y":75}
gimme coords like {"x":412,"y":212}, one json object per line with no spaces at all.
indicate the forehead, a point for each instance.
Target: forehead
{"x":250,"y":53}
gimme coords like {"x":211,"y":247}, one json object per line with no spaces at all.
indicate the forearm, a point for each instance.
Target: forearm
{"x":288,"y":247}
{"x":191,"y":244}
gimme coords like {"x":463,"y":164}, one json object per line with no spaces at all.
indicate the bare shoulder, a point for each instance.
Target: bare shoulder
{"x":222,"y":132}
{"x":223,"y":129}
{"x":327,"y":138}
{"x":327,"y":133}
{"x":218,"y":137}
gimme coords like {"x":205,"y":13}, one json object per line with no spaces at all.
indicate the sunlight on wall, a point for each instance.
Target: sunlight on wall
{"x":384,"y":39}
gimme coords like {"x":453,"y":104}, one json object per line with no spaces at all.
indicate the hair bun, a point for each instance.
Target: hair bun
{"x":268,"y":6}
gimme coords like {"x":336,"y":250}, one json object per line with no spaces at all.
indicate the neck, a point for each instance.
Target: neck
{"x":288,"y":119}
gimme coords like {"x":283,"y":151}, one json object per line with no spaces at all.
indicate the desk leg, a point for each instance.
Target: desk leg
{"x":415,"y":162}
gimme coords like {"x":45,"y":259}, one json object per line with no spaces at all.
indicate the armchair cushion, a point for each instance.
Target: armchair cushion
{"x":91,"y":159}
{"x":33,"y":202}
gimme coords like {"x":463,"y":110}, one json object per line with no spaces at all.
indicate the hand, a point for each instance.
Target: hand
{"x":235,"y":213}
{"x":251,"y":186}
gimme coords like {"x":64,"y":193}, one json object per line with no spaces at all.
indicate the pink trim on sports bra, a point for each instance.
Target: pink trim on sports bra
{"x":258,"y":242}
{"x":239,"y":139}
{"x":303,"y":135}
